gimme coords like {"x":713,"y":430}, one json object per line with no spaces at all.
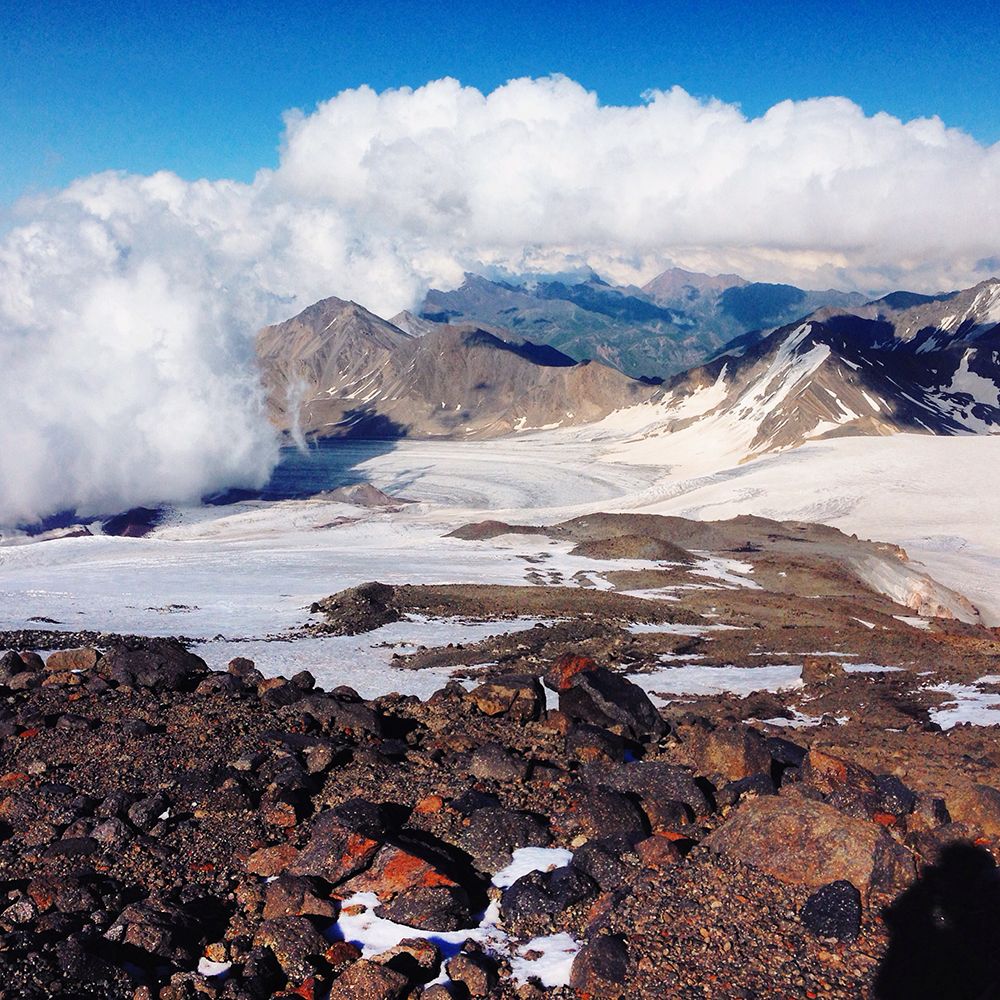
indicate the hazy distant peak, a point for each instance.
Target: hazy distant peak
{"x":415,"y":326}
{"x":676,"y":283}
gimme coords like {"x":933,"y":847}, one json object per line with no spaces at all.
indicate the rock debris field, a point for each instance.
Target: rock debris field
{"x":562,"y":818}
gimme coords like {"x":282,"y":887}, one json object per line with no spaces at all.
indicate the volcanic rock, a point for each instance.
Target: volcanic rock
{"x":475,"y":971}
{"x":834,"y":911}
{"x":518,"y":696}
{"x":653,"y":781}
{"x":493,"y":834}
{"x":809,"y":843}
{"x":545,"y":894}
{"x":600,"y":967}
{"x":333,"y":852}
{"x":294,"y":942}
{"x":602,"y":698}
{"x":977,"y":805}
{"x":162,"y":665}
{"x":731,"y":754}
{"x":368,"y":980}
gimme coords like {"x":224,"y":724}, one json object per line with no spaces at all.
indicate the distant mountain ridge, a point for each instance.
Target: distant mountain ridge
{"x":904,"y":362}
{"x":676,"y":321}
{"x":338,"y":370}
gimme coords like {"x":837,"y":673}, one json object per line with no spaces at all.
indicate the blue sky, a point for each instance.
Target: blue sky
{"x":199,"y":88}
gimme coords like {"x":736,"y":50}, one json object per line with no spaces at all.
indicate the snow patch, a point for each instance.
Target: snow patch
{"x":969,"y":703}
{"x":695,"y":679}
{"x":531,"y":859}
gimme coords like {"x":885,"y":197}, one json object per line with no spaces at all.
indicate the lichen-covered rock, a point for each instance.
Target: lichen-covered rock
{"x":810,"y":843}
{"x":977,"y":805}
{"x":333,"y":851}
{"x":560,"y":675}
{"x":518,"y":696}
{"x":368,"y":980}
{"x":600,"y":967}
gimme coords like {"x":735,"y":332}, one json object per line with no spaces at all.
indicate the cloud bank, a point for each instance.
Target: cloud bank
{"x":128,"y":304}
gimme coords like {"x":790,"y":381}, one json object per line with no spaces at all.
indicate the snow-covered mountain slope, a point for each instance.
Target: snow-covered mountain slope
{"x":337,"y":370}
{"x":846,"y":375}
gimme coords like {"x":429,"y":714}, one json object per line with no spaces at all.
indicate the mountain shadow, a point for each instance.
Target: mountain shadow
{"x":758,"y":304}
{"x":537,"y":354}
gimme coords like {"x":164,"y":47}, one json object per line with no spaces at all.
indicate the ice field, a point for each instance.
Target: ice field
{"x":249,"y":571}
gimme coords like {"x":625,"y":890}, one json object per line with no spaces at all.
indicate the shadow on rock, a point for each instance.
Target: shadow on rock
{"x":945,"y":932}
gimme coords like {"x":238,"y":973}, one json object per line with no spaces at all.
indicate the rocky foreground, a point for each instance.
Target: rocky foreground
{"x":173,"y":832}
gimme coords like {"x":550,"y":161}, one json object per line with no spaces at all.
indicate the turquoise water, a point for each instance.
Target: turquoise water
{"x":325,"y":465}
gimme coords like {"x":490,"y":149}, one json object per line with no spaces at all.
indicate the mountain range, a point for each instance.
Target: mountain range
{"x":847,"y":365}
{"x":906,"y":362}
{"x":675,"y":321}
{"x":338,"y":370}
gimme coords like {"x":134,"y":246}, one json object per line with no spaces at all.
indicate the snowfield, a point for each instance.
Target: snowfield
{"x":251,"y":570}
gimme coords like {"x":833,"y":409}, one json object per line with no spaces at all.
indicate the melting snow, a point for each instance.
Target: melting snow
{"x":671,"y":628}
{"x":969,"y":704}
{"x":365,"y":661}
{"x":914,"y":622}
{"x":869,"y":668}
{"x":703,"y":680}
{"x":207,"y":968}
{"x":531,"y":859}
{"x":549,"y":958}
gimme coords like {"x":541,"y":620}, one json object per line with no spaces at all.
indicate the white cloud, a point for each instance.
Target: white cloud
{"x":127,"y":303}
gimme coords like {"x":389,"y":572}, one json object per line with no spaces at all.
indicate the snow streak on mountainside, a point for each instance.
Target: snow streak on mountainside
{"x":337,"y":370}
{"x":931,"y":366}
{"x":906,"y":362}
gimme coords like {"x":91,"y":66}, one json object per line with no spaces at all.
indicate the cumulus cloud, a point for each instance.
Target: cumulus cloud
{"x":128,"y":304}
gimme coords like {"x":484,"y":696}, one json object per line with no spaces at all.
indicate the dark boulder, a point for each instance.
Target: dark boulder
{"x":602,"y":811}
{"x":494,"y":834}
{"x":160,"y":665}
{"x":602,"y":698}
{"x":587,"y":743}
{"x":494,"y":761}
{"x":539,"y":895}
{"x":600,"y":967}
{"x":654,"y":781}
{"x":430,"y":908}
{"x":603,"y":861}
{"x":834,"y":911}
